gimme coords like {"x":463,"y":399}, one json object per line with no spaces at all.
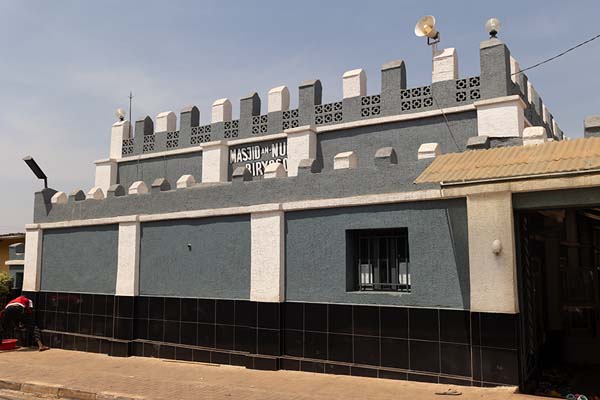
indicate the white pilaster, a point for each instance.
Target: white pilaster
{"x":501,"y":117}
{"x":267,"y":264}
{"x":128,"y":264}
{"x":119,"y":131}
{"x":301,"y":144}
{"x":165,"y":122}
{"x":445,"y":65}
{"x":214,"y":161}
{"x":354,"y":83}
{"x":278,"y":99}
{"x":32,"y":272}
{"x":221,"y":111}
{"x":106,"y":174}
{"x":492,"y":276}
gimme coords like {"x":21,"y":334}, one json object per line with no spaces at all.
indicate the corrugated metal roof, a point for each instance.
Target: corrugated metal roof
{"x":517,"y":161}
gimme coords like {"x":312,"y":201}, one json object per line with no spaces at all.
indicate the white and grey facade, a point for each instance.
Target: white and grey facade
{"x":239,"y":242}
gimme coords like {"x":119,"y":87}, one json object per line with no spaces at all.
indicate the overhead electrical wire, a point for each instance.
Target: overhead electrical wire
{"x":558,"y":55}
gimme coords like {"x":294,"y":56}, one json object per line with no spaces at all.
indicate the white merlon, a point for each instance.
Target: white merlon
{"x":106,"y":174}
{"x":186,"y":181}
{"x":95,"y":193}
{"x":215,"y":161}
{"x":128,"y":259}
{"x":59,"y":198}
{"x":492,"y":276}
{"x":531,"y":92}
{"x":32,"y":270}
{"x":275,"y":170}
{"x":120,"y":130}
{"x":138,"y":187}
{"x":501,"y":117}
{"x":301,"y":144}
{"x":545,"y":114}
{"x":221,"y":111}
{"x":554,"y":127}
{"x":267,"y":257}
{"x":534,"y":135}
{"x":278,"y":99}
{"x":514,"y":69}
{"x":429,"y":150}
{"x":165,"y":122}
{"x":345,"y":160}
{"x":445,"y":65}
{"x":354,"y":83}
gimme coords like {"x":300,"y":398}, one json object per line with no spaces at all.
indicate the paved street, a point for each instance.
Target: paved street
{"x":161,"y":379}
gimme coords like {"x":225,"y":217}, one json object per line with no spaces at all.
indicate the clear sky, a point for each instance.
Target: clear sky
{"x":65,"y":66}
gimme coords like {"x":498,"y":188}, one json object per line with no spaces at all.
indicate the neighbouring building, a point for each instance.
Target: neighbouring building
{"x":12,"y":250}
{"x":402,"y":234}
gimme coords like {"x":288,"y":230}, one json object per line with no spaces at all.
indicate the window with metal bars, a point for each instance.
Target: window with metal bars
{"x":381,"y":260}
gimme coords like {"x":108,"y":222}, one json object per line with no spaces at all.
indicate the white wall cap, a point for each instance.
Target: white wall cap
{"x":221,"y":110}
{"x":121,"y":123}
{"x":138,"y":187}
{"x":354,"y":83}
{"x":95,"y":193}
{"x":275,"y":170}
{"x":545,"y":114}
{"x":278,"y":99}
{"x":59,"y":198}
{"x":534,"y":135}
{"x":514,"y":68}
{"x":185,"y":181}
{"x":449,"y":52}
{"x":214,"y":143}
{"x":300,"y":129}
{"x":166,"y":121}
{"x":429,"y":150}
{"x":345,"y":160}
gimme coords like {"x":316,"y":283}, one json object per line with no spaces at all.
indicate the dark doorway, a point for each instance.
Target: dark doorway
{"x":559,"y":265}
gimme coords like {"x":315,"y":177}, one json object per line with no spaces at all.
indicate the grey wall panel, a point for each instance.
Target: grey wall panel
{"x":405,"y":137}
{"x":316,"y":253}
{"x":171,"y":167}
{"x":216,"y":265}
{"x":80,"y":259}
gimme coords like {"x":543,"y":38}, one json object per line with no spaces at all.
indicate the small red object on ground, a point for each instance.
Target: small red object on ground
{"x":8,"y":344}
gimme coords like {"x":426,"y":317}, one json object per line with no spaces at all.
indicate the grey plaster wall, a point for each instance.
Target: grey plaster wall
{"x":316,"y":253}
{"x":216,"y":264}
{"x":80,"y":259}
{"x":557,"y":198}
{"x":171,"y":167}
{"x":405,"y":137}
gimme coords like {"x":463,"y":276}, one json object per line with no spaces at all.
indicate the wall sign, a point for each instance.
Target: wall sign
{"x":256,"y":156}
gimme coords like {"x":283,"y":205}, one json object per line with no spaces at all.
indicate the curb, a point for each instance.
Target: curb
{"x":60,"y":391}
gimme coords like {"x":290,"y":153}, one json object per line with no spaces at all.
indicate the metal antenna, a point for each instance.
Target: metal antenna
{"x":130,"y":116}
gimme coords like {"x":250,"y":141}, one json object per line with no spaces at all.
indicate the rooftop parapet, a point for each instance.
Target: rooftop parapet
{"x":500,"y":77}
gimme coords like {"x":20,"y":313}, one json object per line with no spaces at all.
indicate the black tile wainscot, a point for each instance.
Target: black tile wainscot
{"x":432,"y":345}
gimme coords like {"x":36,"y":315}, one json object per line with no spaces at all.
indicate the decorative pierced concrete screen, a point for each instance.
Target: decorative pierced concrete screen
{"x":290,"y":119}
{"x":231,"y":129}
{"x":370,"y":106}
{"x":416,"y":98}
{"x":200,"y":134}
{"x":259,"y":124}
{"x":172,"y":140}
{"x":327,"y":113}
{"x":468,"y":89}
{"x":149,"y":143}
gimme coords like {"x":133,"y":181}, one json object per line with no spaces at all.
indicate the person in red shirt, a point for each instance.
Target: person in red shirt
{"x":18,"y":312}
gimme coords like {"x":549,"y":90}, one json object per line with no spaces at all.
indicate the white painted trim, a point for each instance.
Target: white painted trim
{"x":14,"y":262}
{"x":128,"y":255}
{"x":499,"y":100}
{"x":88,"y":222}
{"x":318,"y":129}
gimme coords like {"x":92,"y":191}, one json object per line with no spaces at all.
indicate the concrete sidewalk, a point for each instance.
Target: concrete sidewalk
{"x":160,"y":379}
